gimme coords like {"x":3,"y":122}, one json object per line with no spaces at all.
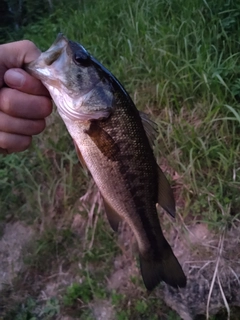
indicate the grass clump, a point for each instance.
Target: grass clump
{"x":104,"y":246}
{"x":32,"y":309}
{"x":140,"y":307}
{"x":52,"y":246}
{"x":77,"y":291}
{"x":180,"y":62}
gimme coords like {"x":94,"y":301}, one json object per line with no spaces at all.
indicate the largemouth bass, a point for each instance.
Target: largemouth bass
{"x":111,"y":141}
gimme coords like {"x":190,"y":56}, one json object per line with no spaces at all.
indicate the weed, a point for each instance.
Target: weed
{"x":123,"y":315}
{"x":32,"y":309}
{"x":26,"y":311}
{"x":51,"y":309}
{"x":50,"y":247}
{"x":141,"y":307}
{"x":78,"y":291}
{"x":117,"y":298}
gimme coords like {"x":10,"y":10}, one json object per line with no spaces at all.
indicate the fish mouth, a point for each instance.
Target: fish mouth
{"x":53,"y":53}
{"x":39,"y":68}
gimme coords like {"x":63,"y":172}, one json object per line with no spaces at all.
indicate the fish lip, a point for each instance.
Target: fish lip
{"x":60,"y":43}
{"x":53,"y":53}
{"x":59,"y":37}
{"x":49,"y":56}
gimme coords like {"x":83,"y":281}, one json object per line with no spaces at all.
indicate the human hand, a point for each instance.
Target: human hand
{"x":24,"y":101}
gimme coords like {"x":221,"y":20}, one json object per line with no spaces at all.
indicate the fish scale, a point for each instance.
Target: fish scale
{"x":112,"y":140}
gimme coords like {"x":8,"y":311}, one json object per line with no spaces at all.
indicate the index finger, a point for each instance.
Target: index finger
{"x":15,"y":54}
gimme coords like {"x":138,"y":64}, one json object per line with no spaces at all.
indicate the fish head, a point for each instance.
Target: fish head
{"x":79,"y":85}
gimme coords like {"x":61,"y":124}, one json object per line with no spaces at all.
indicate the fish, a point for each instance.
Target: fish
{"x":112,"y":140}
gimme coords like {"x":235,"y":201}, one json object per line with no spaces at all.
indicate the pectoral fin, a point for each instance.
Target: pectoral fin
{"x":103,"y":141}
{"x":113,"y":217}
{"x":165,"y":194}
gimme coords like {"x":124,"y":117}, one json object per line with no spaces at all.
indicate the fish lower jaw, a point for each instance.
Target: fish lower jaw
{"x":65,"y":105}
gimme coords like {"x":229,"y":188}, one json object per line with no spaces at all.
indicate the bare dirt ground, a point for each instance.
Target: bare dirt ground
{"x":211,"y":263}
{"x":14,"y":239}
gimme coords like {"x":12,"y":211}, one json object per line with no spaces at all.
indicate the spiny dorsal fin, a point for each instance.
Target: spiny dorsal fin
{"x":165,"y":194}
{"x":113,"y":217}
{"x":150,"y":127}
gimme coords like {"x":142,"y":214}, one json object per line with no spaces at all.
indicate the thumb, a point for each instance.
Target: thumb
{"x":19,"y":79}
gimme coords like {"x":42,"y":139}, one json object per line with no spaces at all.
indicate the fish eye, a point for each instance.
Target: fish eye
{"x":82,"y":59}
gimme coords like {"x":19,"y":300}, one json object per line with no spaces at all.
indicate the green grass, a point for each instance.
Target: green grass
{"x":28,"y":310}
{"x":180,"y":61}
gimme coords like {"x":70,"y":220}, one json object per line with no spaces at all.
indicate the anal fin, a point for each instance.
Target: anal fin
{"x":165,"y":194}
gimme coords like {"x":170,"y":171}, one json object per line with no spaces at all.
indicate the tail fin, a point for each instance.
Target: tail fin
{"x":165,"y":268}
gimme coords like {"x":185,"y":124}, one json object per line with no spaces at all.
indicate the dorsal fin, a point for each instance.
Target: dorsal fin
{"x":150,"y":127}
{"x":113,"y":217}
{"x":165,"y":194}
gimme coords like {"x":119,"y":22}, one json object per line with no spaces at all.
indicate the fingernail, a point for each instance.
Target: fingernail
{"x":14,"y":79}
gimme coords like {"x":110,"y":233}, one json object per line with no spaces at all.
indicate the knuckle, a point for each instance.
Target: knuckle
{"x":29,"y":45}
{"x":35,"y":126}
{"x":14,"y":142}
{"x":25,"y":143}
{"x":39,"y":126}
{"x":46,"y":106}
{"x":4,"y":140}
